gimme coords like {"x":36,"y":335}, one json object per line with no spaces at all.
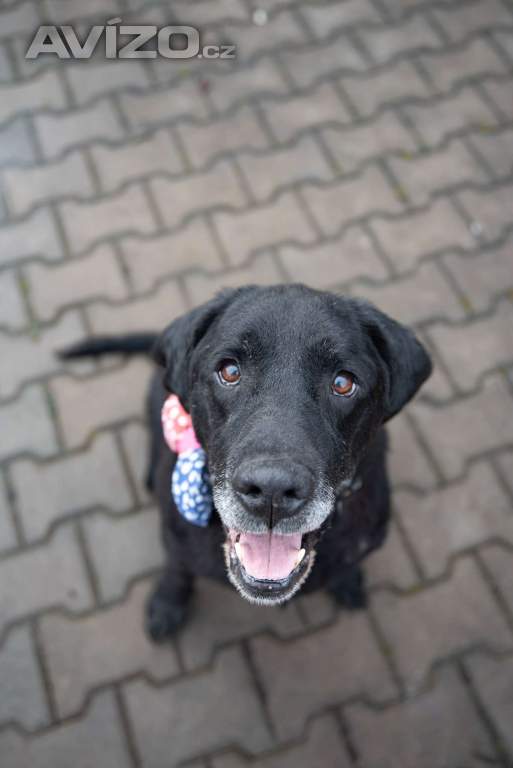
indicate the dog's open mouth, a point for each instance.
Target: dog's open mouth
{"x":269,"y":568}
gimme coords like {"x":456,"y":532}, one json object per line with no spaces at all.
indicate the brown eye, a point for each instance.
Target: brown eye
{"x":229,"y":373}
{"x":343,"y":384}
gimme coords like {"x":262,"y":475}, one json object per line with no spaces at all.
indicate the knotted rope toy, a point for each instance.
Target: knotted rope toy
{"x":190,"y":482}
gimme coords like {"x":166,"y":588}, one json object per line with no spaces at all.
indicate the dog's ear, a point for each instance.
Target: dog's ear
{"x":176,"y":343}
{"x":407,"y":365}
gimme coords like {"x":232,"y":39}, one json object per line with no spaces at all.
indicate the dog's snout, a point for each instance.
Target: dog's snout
{"x":273,"y":486}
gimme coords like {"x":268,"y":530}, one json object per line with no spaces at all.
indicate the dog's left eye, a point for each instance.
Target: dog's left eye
{"x":344,"y":384}
{"x":229,"y":373}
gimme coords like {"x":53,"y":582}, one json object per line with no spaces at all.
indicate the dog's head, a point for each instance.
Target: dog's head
{"x":286,"y":387}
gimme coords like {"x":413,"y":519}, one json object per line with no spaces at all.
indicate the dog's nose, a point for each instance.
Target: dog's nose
{"x":280,"y":487}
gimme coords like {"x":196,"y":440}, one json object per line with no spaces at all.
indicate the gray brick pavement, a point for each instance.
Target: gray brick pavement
{"x":357,"y":145}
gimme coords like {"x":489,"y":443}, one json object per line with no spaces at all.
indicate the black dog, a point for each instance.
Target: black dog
{"x":288,"y":389}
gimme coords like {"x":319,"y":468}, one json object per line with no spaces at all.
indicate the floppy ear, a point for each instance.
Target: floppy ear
{"x":407,"y":364}
{"x":176,"y":343}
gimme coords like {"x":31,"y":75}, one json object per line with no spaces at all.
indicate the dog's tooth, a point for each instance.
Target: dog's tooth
{"x":238,"y":549}
{"x":300,"y":556}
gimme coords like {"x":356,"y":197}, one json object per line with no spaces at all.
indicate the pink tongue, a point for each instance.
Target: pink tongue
{"x":269,"y":555}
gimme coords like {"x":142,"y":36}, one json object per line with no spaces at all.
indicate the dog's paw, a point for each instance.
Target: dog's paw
{"x":163,"y":617}
{"x":350,"y":593}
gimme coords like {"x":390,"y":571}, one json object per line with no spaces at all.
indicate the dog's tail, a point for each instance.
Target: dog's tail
{"x":133,"y":344}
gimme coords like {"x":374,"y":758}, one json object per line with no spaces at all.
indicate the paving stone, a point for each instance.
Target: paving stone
{"x":482,"y":277}
{"x":442,"y":620}
{"x":18,"y":19}
{"x":101,"y":648}
{"x":6,"y":71}
{"x":505,"y":462}
{"x":261,"y":271}
{"x":189,"y":709}
{"x":323,"y":19}
{"x":154,"y":155}
{"x":268,"y":173}
{"x":492,"y":678}
{"x":436,"y":120}
{"x":127,"y":212}
{"x":93,"y":277}
{"x":67,"y":488}
{"x":220,"y":616}
{"x":488,"y":429}
{"x":500,"y":94}
{"x":322,"y":739}
{"x":473,"y":61}
{"x":90,"y":79}
{"x":44,"y":92}
{"x":28,"y":187}
{"x":136,"y":536}
{"x":23,"y":699}
{"x":34,"y":357}
{"x":206,"y":141}
{"x":302,"y":676}
{"x":58,"y":133}
{"x":415,"y":298}
{"x":491,"y":209}
{"x":391,"y":564}
{"x":73,"y":10}
{"x":95,"y":739}
{"x":262,"y":78}
{"x":35,"y":236}
{"x":307,"y":66}
{"x":43,"y":577}
{"x":422,"y":233}
{"x":451,"y":519}
{"x":337,"y":204}
{"x":498,"y":562}
{"x":459,"y":22}
{"x":151,"y":313}
{"x":408,"y":464}
{"x":424,"y":175}
{"x":353,"y":146}
{"x":440,"y":727}
{"x":26,"y":425}
{"x":297,"y":114}
{"x":84,"y":405}
{"x":135,"y":440}
{"x":334,"y":262}
{"x":503,"y":36}
{"x":192,"y":247}
{"x":387,"y":42}
{"x":217,"y":188}
{"x":318,"y":609}
{"x":252,"y":40}
{"x":472,"y":349}
{"x":242,"y":234}
{"x":496,"y":149}
{"x":8,"y":538}
{"x":12,"y":310}
{"x":377,"y":88}
{"x":146,"y":110}
{"x":16,"y":145}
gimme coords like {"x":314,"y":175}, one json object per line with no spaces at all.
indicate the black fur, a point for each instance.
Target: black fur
{"x":290,"y":341}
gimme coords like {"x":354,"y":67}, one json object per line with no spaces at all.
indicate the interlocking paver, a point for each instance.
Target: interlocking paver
{"x":23,"y":698}
{"x":333,"y":262}
{"x":461,"y":609}
{"x":95,"y":276}
{"x":361,"y":146}
{"x":109,"y":645}
{"x":323,"y":738}
{"x":58,"y":133}
{"x":95,"y":739}
{"x":189,"y":709}
{"x":439,"y":725}
{"x":70,"y":484}
{"x":459,"y":516}
{"x":84,"y":405}
{"x":136,"y":536}
{"x":49,"y":575}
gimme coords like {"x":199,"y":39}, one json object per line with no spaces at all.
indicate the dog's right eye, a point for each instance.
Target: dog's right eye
{"x":229,"y":373}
